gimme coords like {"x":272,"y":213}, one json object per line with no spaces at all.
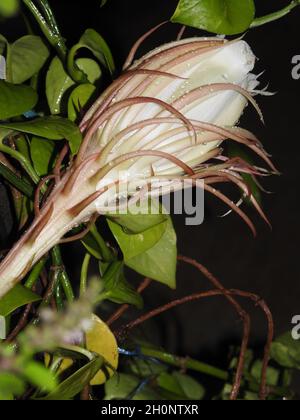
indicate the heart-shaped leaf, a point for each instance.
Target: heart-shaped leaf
{"x":28,"y":55}
{"x":159,"y":262}
{"x":228,"y":17}
{"x":15,"y":100}
{"x":133,"y":245}
{"x":152,"y":253}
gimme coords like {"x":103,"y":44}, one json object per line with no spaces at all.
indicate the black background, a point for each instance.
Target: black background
{"x":267,"y":265}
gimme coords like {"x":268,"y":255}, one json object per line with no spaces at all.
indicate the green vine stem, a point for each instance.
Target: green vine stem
{"x":275,"y":15}
{"x":24,"y":162}
{"x":63,"y":276}
{"x":49,"y":16}
{"x":84,"y":273}
{"x":54,"y":38}
{"x":106,"y":252}
{"x":191,"y":364}
{"x":16,"y":181}
{"x":35,"y":273}
{"x":197,"y":366}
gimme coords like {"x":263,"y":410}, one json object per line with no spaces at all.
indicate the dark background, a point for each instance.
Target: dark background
{"x":267,"y":265}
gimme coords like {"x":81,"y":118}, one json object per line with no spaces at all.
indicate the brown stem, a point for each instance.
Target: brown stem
{"x":63,"y":153}
{"x":212,"y":293}
{"x":259,"y":302}
{"x":21,"y":324}
{"x":180,"y":33}
{"x":38,"y":193}
{"x":85,"y":393}
{"x":82,"y":234}
{"x":243,"y":315}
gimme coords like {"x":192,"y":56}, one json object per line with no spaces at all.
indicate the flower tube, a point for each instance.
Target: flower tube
{"x":164,"y":117}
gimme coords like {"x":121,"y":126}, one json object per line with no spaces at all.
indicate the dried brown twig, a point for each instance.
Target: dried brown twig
{"x":229,"y":295}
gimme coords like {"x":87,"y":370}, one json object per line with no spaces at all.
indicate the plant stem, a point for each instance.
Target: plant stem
{"x":59,"y":297}
{"x":54,"y":38}
{"x":276,"y":15}
{"x":54,"y":281}
{"x":107,"y":254}
{"x":195,"y":365}
{"x":84,"y":273}
{"x":90,"y":356}
{"x":180,"y":362}
{"x":35,"y":273}
{"x":73,"y":70}
{"x":49,"y":16}
{"x":63,"y":276}
{"x":24,"y":162}
{"x":15,"y":181}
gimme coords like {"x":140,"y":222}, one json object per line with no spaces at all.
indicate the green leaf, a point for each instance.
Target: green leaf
{"x":57,"y":84}
{"x":117,"y":287}
{"x":42,"y":154}
{"x":20,"y":184}
{"x":6,"y":396}
{"x":228,"y":17}
{"x":190,"y":387}
{"x":15,"y":298}
{"x":53,"y":128}
{"x":3,"y":44}
{"x":273,"y":375}
{"x":149,"y":214}
{"x":90,"y":68}
{"x":79,"y":98}
{"x":39,"y":376}
{"x":90,"y":243}
{"x":133,"y":245}
{"x":93,"y":41}
{"x":28,"y":55}
{"x":286,"y":351}
{"x":170,"y":384}
{"x":122,"y":386}
{"x":15,"y":100}
{"x":145,"y":368}
{"x":9,"y":8}
{"x":72,"y":386}
{"x":11,"y":384}
{"x":159,"y":262}
{"x":103,"y":2}
{"x":22,"y":145}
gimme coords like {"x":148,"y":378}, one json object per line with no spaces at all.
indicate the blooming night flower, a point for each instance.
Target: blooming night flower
{"x":165,"y":116}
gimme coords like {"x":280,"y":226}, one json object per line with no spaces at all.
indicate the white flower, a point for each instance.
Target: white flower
{"x":165,"y":116}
